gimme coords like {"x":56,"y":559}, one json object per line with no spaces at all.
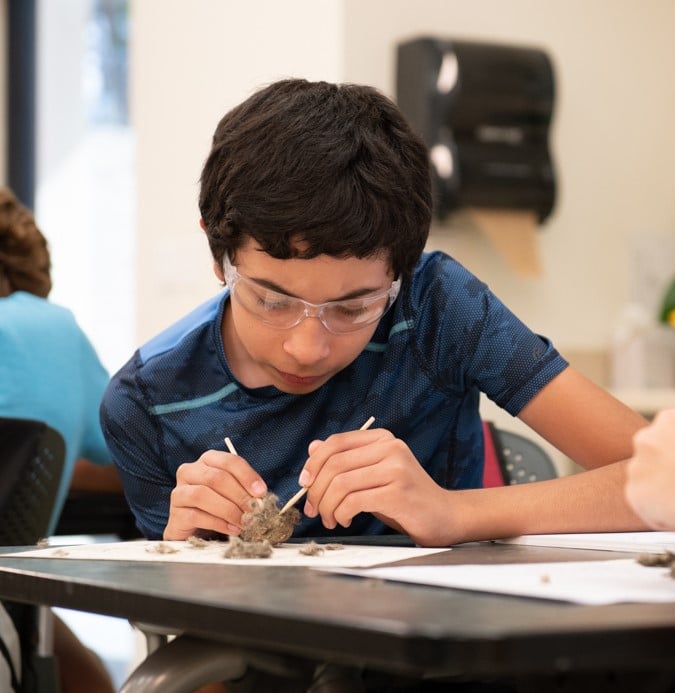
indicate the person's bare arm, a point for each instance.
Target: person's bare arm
{"x":582,"y":420}
{"x":95,"y":478}
{"x":591,"y":501}
{"x":378,"y":473}
{"x":595,"y":430}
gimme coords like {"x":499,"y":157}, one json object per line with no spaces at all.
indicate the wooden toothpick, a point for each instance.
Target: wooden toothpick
{"x":294,"y":499}
{"x":304,"y":489}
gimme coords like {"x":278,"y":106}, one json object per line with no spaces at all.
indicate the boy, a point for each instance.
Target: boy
{"x":315,"y":200}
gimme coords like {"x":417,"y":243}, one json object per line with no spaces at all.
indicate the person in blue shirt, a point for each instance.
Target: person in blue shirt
{"x":49,"y":371}
{"x":316,"y":203}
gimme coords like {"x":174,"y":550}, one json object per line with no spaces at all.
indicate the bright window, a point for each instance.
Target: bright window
{"x":84,"y":199}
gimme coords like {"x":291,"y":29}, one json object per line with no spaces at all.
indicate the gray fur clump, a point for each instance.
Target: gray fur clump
{"x":264,"y":523}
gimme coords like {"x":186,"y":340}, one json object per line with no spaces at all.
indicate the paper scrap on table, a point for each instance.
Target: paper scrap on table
{"x":652,"y":542}
{"x":349,"y":556}
{"x":582,"y":582}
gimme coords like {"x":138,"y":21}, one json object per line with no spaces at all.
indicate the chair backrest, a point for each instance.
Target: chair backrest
{"x":32,"y":455}
{"x":492,"y":467}
{"x":514,"y":458}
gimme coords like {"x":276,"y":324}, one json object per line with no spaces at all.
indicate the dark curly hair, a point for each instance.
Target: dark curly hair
{"x":24,"y":255}
{"x":334,"y":167}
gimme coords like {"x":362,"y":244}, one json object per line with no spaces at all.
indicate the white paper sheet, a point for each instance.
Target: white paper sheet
{"x":581,"y":582}
{"x":353,"y":556}
{"x":649,"y":542}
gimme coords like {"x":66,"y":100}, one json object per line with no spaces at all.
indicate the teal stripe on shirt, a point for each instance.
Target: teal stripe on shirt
{"x":171,"y":407}
{"x":196,"y":403}
{"x":398,"y":327}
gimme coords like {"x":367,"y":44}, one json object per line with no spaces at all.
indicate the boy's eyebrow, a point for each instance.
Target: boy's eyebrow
{"x":357,"y":293}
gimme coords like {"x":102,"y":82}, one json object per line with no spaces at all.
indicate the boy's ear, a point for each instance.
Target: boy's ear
{"x":202,"y":223}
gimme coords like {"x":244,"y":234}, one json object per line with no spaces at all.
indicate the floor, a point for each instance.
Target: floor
{"x":119,"y":645}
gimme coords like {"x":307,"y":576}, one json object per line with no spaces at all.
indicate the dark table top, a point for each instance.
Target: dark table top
{"x":404,"y":628}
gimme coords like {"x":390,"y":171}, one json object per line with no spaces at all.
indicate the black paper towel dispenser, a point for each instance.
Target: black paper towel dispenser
{"x":484,"y":111}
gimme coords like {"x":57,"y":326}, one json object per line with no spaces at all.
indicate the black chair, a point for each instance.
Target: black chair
{"x":32,"y":455}
{"x":519,"y":459}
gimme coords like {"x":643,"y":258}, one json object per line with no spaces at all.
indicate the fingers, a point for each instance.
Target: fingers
{"x":326,"y":452}
{"x":365,"y":489}
{"x":393,"y":489}
{"x":211,"y":494}
{"x":227,"y":474}
{"x":189,"y":513}
{"x":380,"y":460}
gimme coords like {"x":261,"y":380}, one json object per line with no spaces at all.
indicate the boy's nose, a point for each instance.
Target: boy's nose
{"x":308,"y":341}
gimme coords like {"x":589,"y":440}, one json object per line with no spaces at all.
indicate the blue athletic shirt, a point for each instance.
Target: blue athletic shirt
{"x":446,"y":339}
{"x":49,"y":371}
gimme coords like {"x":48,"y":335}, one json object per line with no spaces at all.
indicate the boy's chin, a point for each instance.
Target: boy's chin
{"x":298,"y":389}
{"x":295,"y":385}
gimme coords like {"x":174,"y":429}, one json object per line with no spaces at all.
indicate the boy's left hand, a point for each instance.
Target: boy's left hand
{"x":372,"y":471}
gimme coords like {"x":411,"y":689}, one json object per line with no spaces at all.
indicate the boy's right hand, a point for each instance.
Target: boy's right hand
{"x":212,"y":494}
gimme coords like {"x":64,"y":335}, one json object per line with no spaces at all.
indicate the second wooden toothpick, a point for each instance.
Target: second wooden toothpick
{"x":304,"y":489}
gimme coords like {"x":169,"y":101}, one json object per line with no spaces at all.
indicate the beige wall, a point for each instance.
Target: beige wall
{"x":613,"y":142}
{"x":200,"y":59}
